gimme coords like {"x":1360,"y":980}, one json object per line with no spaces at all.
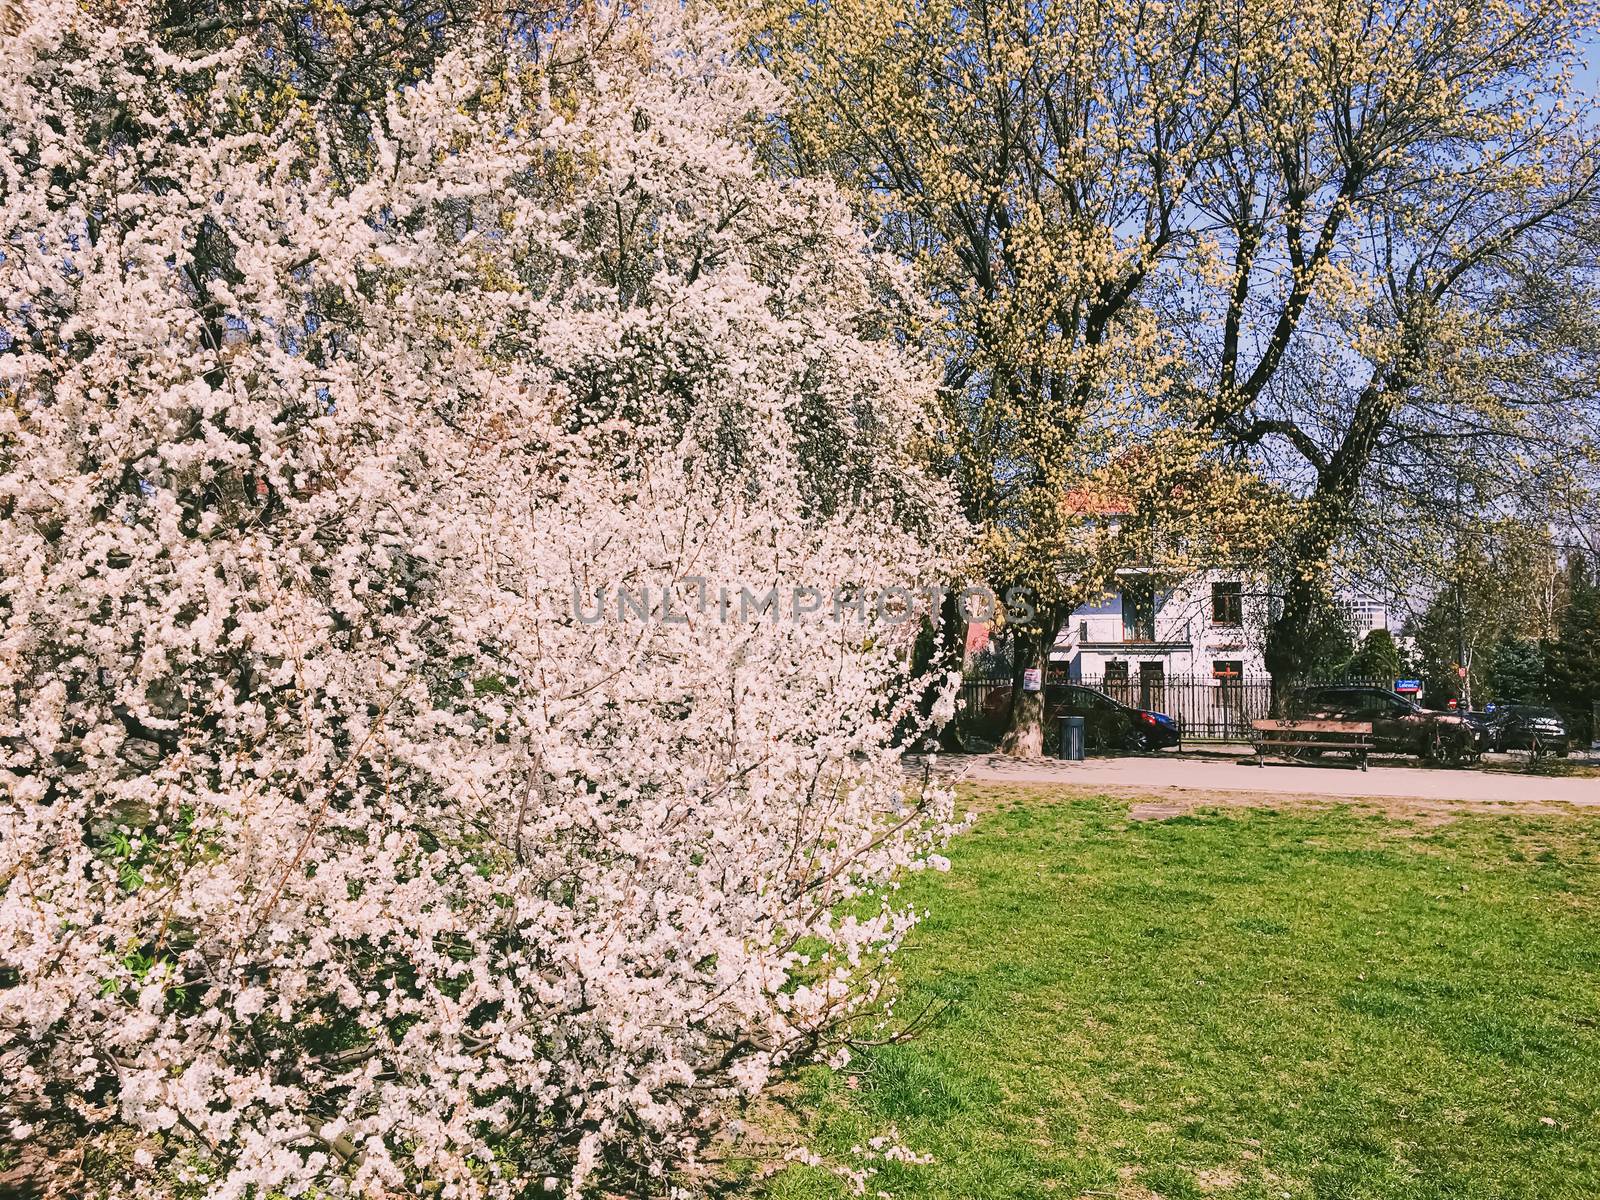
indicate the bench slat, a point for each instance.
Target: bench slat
{"x":1349,"y":744}
{"x":1349,"y":727}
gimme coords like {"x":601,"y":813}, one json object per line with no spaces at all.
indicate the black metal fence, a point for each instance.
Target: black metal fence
{"x":1208,"y":709}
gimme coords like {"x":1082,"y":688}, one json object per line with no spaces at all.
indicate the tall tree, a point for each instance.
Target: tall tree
{"x":1573,"y":663}
{"x":1312,"y":232}
{"x":1494,"y":589}
{"x":1400,"y":315}
{"x":1037,"y":162}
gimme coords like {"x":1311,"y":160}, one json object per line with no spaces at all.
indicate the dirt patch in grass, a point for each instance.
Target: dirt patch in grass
{"x":1155,"y":810}
{"x":1158,"y":804}
{"x":1217,"y":1179}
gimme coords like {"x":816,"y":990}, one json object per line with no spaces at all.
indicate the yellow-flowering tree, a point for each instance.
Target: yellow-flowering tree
{"x":1039,"y":164}
{"x":1295,"y":238}
{"x":1397,"y":293}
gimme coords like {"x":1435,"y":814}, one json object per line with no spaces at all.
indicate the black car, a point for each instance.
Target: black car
{"x":1108,"y":723}
{"x":1481,"y":723}
{"x":1529,"y":727}
{"x":1399,"y":725}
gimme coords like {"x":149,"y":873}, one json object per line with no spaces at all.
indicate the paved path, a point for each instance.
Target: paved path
{"x":1160,"y":772}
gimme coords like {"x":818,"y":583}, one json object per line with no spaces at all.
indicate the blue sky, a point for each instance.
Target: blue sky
{"x":1588,"y":79}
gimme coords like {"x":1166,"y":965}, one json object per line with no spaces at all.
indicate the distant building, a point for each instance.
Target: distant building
{"x":1154,"y":625}
{"x":1152,"y":628}
{"x":977,"y":638}
{"x":1365,"y":614}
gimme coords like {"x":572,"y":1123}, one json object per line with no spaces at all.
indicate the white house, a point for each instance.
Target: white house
{"x":1364,"y":614}
{"x":1152,"y":628}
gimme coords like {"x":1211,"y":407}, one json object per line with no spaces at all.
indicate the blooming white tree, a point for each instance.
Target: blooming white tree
{"x":409,"y":777}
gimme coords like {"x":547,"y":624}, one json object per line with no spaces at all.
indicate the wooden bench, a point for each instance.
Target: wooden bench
{"x":1350,"y":737}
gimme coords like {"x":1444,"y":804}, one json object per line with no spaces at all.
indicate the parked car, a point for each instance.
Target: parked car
{"x":1480,"y":722}
{"x":1107,"y":724}
{"x":1529,"y":727}
{"x":1399,"y":725}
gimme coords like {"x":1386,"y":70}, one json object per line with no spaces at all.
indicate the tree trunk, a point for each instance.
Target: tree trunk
{"x":1024,"y":736}
{"x":1286,"y":653}
{"x":949,"y":654}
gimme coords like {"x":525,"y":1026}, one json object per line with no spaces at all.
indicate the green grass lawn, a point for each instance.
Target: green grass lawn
{"x":1243,"y":1003}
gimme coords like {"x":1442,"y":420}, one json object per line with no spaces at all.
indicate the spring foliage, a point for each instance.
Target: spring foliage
{"x":343,"y":849}
{"x":1349,"y":245}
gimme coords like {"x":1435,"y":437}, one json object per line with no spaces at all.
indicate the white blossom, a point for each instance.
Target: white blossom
{"x":337,"y":854}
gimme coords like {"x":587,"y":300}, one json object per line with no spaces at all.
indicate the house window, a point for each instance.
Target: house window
{"x":1227,"y":603}
{"x":1139,"y":612}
